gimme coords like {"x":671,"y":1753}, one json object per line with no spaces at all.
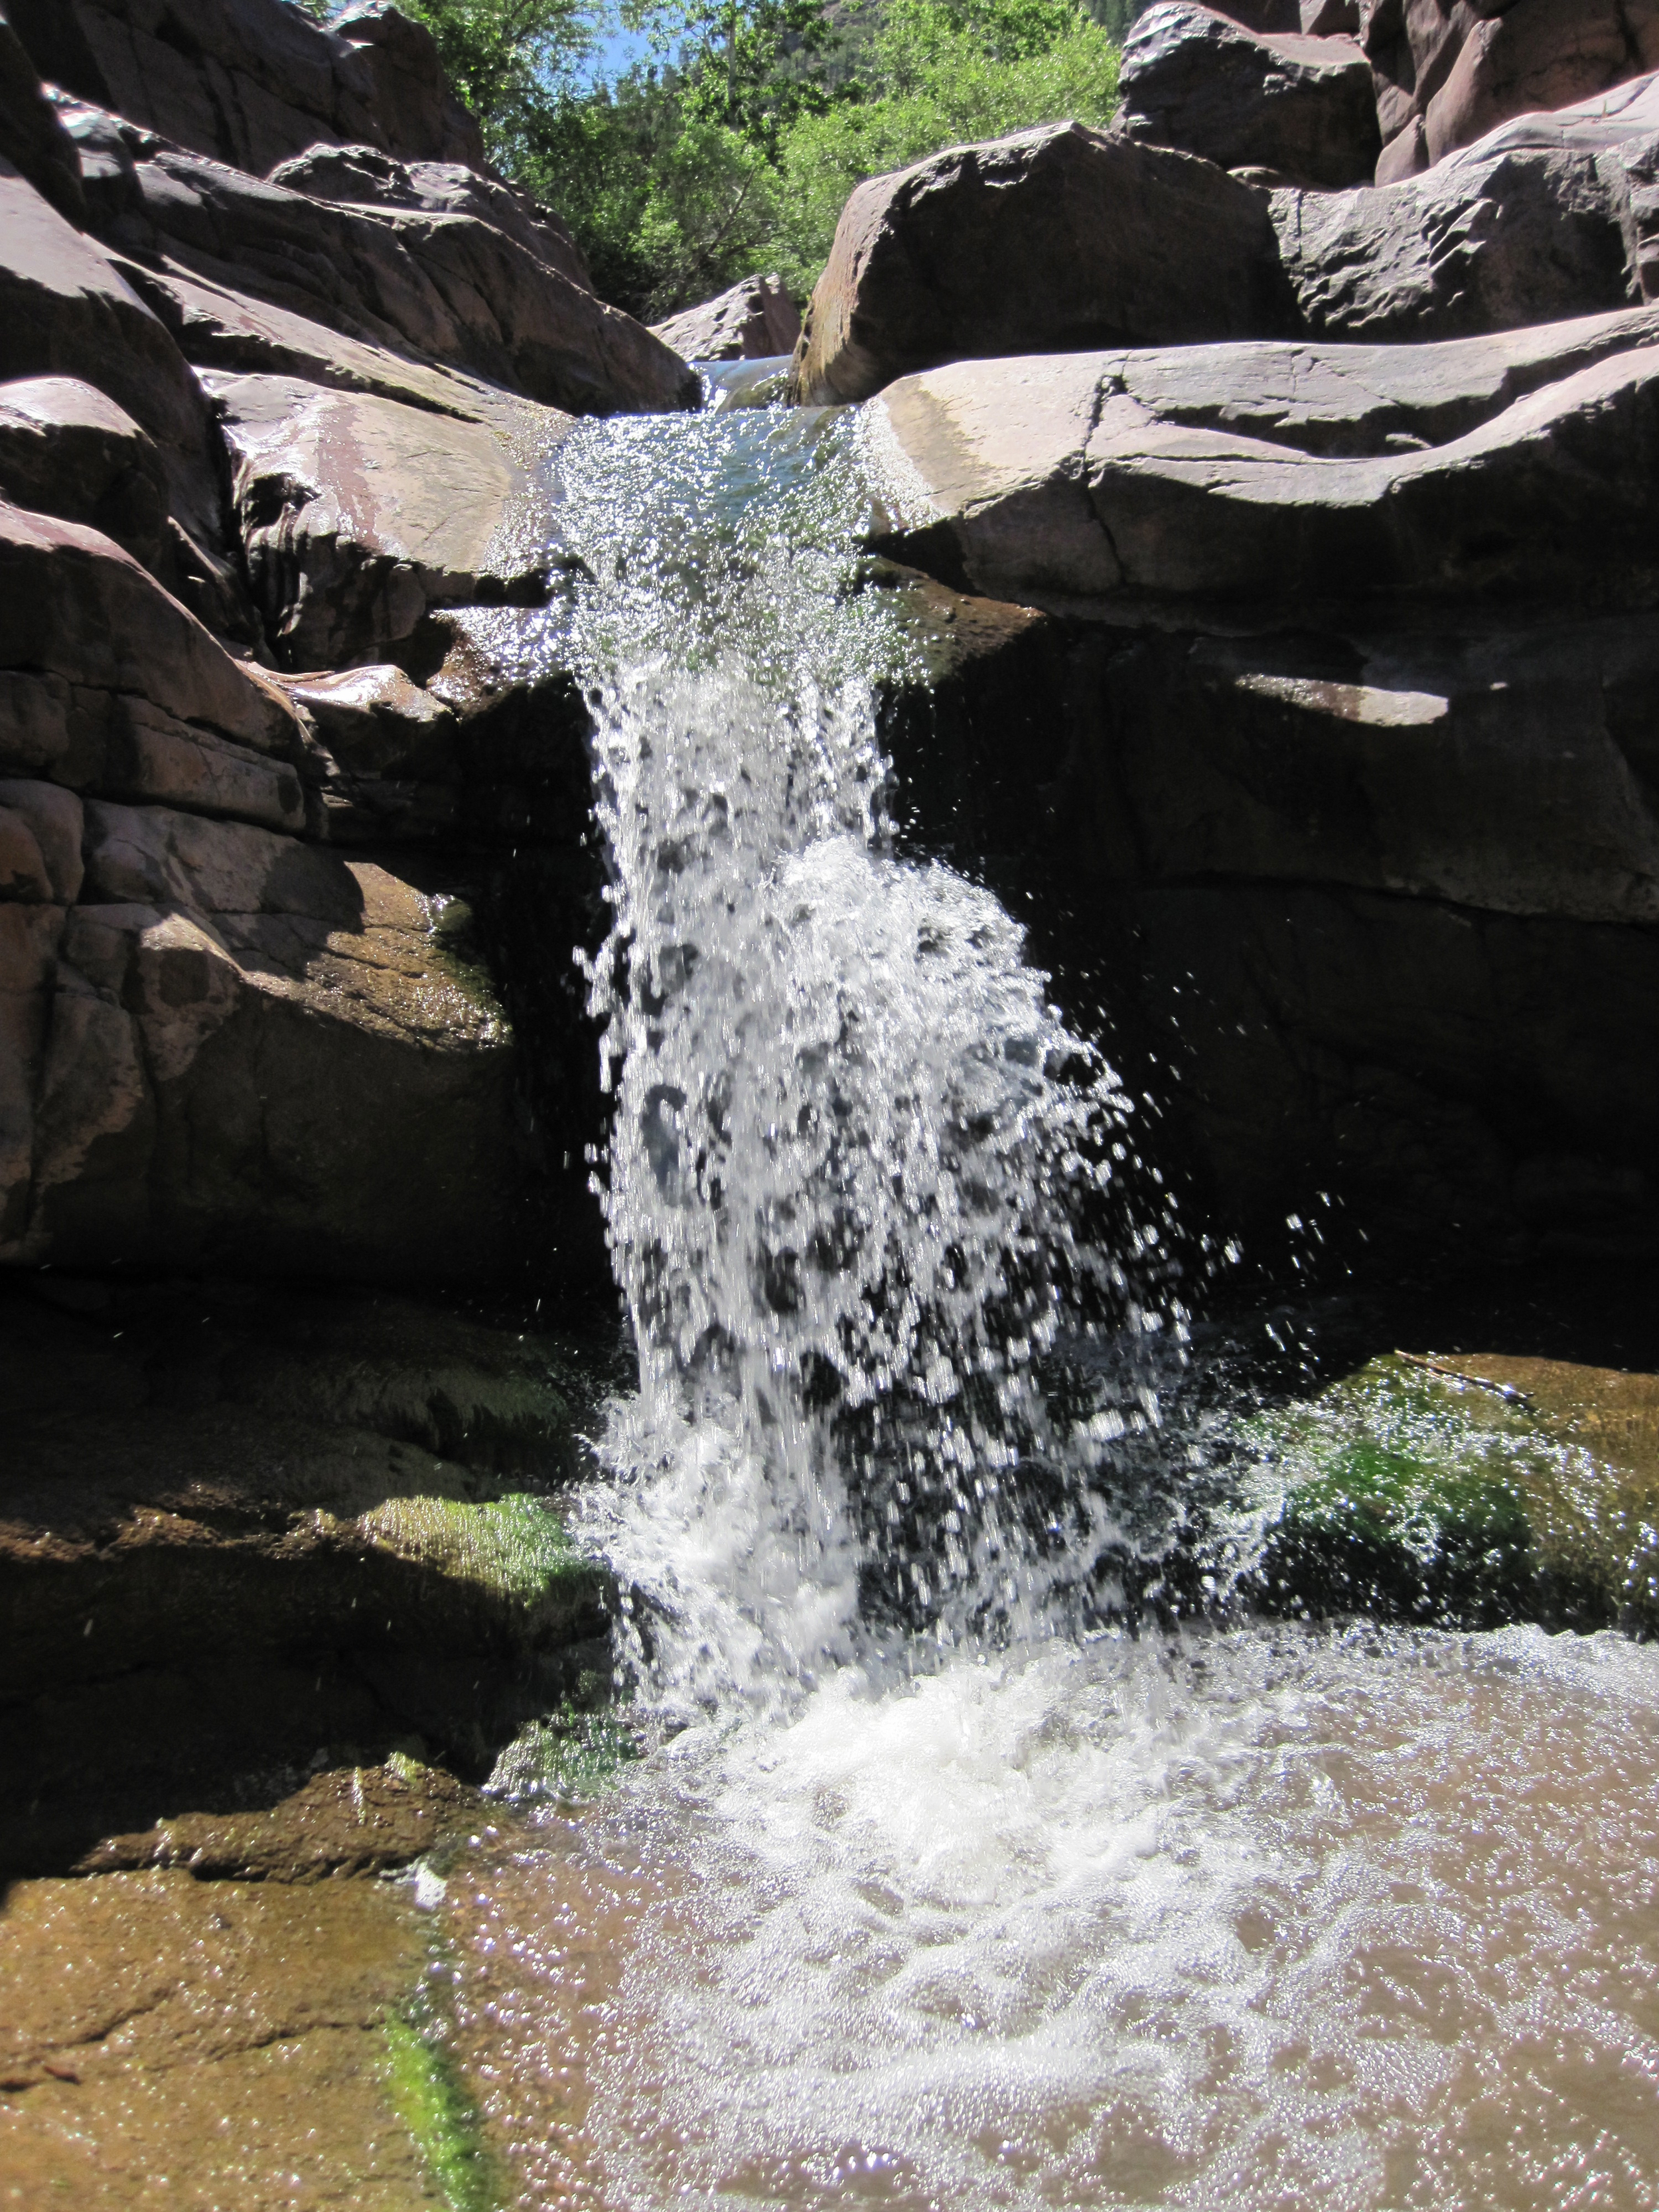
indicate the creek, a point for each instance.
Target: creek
{"x":949,"y":1878}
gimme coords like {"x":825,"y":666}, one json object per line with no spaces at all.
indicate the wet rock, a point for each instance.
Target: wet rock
{"x":351,"y":1821}
{"x":755,"y":320}
{"x":1449,"y":71}
{"x":1303,"y":107}
{"x":239,"y":1530}
{"x":242,"y":2039}
{"x":1047,"y":240}
{"x":358,"y":514}
{"x":418,"y":269}
{"x":1464,"y":1490}
{"x":253,"y":82}
{"x":1288,"y":477}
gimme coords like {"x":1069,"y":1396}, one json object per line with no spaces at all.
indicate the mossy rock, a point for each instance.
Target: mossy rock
{"x":1465,"y":1492}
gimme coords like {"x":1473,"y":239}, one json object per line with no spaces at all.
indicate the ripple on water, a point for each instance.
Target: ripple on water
{"x":1360,"y":1920}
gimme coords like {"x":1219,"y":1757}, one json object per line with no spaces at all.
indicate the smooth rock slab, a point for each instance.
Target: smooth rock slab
{"x":1287,"y":477}
{"x":1302,"y":107}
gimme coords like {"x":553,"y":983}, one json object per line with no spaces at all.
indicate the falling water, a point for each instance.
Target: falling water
{"x":940,"y":1889}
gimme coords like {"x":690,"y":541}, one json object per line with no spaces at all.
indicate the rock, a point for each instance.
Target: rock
{"x":357,"y":175}
{"x":1466,"y":1490}
{"x":358,"y":513}
{"x":32,"y":138}
{"x":1448,"y":71}
{"x":66,"y":311}
{"x":1302,"y":107}
{"x":1328,"y":19}
{"x":1289,"y":476}
{"x":755,"y":320}
{"x":1548,"y":216}
{"x":1045,"y":242}
{"x":409,"y":96}
{"x":253,"y":82}
{"x":243,"y":2038}
{"x":40,"y":832}
{"x":67,"y":450}
{"x":1258,"y":793}
{"x":449,"y":286}
{"x":296,"y":1521}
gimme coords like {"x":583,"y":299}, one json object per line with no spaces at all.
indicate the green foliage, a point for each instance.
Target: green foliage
{"x":731,"y":149}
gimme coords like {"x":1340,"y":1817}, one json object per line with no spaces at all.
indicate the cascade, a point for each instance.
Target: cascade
{"x":940,"y":1887}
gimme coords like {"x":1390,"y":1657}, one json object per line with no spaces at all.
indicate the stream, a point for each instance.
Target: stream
{"x":946,"y":1882}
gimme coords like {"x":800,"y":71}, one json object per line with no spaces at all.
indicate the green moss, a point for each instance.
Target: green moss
{"x":572,"y":1755}
{"x":431,"y":2101}
{"x":515,"y":1548}
{"x":1455,"y":1497}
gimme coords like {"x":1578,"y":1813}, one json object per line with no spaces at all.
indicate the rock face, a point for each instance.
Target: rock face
{"x":253,"y":82}
{"x":1050,"y":240}
{"x":1318,"y":612}
{"x":755,"y":320}
{"x":1300,"y":107}
{"x":1449,"y":71}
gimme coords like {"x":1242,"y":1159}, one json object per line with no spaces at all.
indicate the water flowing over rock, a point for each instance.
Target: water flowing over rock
{"x":1299,"y":108}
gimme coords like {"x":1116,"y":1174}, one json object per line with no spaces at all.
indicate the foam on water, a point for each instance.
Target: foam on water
{"x":932,"y":1902}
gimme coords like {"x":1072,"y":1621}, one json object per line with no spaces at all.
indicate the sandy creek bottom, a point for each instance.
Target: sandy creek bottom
{"x":1289,"y":1919}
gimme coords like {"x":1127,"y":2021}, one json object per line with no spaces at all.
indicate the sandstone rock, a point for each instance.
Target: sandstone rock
{"x":358,"y":512}
{"x":1303,"y":107}
{"x":67,"y":450}
{"x":357,"y":175}
{"x":1448,"y":71}
{"x":755,"y":320}
{"x":1328,"y":19}
{"x":1493,"y":239}
{"x":32,"y":138}
{"x":298,"y":1521}
{"x":448,"y":285}
{"x":1047,"y":240}
{"x":251,"y":81}
{"x":66,"y":311}
{"x":1279,"y":477}
{"x":40,"y":831}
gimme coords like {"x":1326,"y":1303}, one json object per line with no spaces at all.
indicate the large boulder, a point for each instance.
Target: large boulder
{"x":1549,"y":214}
{"x":1285,"y":476}
{"x":67,"y":449}
{"x":32,"y":138}
{"x":1448,"y":71}
{"x":66,"y":312}
{"x":419,"y":269}
{"x":1341,"y":753}
{"x":1302,"y":108}
{"x":358,"y":514}
{"x":253,"y":82}
{"x":1046,"y":241}
{"x":755,"y":320}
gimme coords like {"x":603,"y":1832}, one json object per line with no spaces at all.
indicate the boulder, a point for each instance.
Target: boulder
{"x":1448,"y":71}
{"x":32,"y":138}
{"x":1281,"y":476}
{"x":755,"y":320}
{"x":253,"y":82}
{"x":357,"y":175}
{"x":1045,"y":242}
{"x":65,"y":449}
{"x":1302,"y":108}
{"x":1511,"y":232}
{"x":66,"y":311}
{"x":414,"y":273}
{"x":358,"y":514}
